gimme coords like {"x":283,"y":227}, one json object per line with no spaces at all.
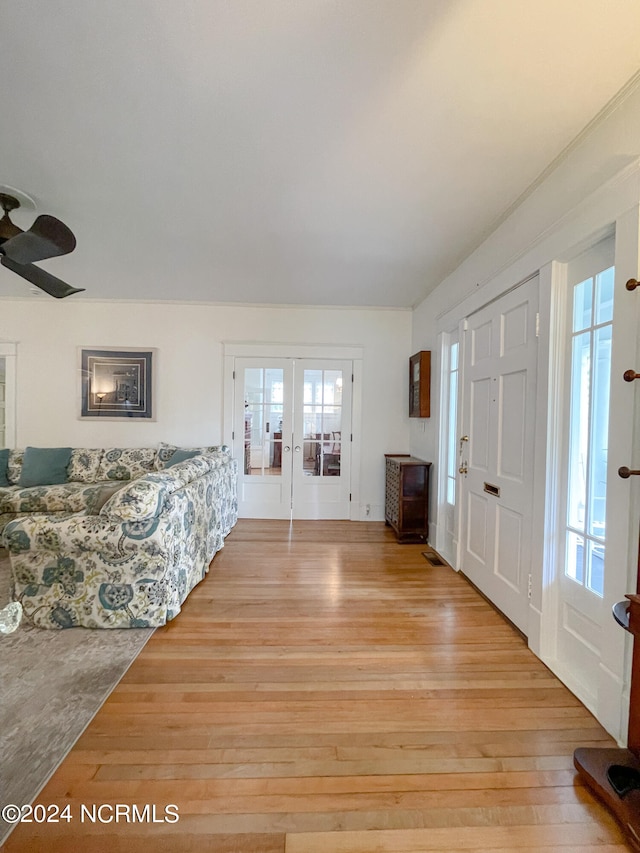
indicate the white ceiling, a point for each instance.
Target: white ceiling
{"x":335,"y":152}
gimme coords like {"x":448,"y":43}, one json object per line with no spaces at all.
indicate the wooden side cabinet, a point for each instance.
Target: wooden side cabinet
{"x":406,"y":506}
{"x":420,"y":385}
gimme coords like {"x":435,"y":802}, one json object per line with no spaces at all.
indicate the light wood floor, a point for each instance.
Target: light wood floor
{"x":325,"y":690}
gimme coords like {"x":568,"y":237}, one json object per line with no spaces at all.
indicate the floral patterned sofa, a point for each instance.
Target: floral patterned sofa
{"x":123,"y":542}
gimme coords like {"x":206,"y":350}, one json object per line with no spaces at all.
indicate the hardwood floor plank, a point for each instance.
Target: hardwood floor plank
{"x":325,"y":689}
{"x":510,"y":839}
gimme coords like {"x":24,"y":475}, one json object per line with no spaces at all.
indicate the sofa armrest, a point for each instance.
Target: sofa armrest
{"x":77,"y":533}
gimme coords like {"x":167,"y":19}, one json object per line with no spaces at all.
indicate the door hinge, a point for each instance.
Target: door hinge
{"x":233,"y":435}
{"x":538,"y":324}
{"x":529,"y":590}
{"x":349,"y":495}
{"x":352,"y":377}
{"x":351,"y":437}
{"x":234,"y":374}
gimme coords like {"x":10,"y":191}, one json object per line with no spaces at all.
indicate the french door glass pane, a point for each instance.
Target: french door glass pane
{"x":604,"y":296}
{"x":322,"y":410}
{"x":589,"y":430}
{"x":574,"y":567}
{"x":454,"y":356}
{"x":579,"y":432}
{"x":253,"y":384}
{"x":582,"y":304}
{"x":595,"y":567}
{"x":599,"y":431}
{"x":263,"y":396}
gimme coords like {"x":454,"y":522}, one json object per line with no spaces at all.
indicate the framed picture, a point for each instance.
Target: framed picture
{"x":117,"y":383}
{"x":420,"y":384}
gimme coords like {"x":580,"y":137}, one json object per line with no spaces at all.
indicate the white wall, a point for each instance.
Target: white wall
{"x":189,"y":369}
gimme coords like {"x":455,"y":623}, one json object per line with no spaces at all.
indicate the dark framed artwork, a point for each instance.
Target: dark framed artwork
{"x":420,"y":384}
{"x":117,"y":383}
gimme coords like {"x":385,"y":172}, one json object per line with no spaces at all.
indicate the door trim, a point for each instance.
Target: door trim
{"x":239,"y":349}
{"x":8,"y":351}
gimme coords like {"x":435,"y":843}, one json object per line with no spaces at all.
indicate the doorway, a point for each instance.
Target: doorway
{"x":497,"y":449}
{"x":292,"y":436}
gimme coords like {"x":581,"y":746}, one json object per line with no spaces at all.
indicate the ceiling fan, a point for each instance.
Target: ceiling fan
{"x":46,"y":238}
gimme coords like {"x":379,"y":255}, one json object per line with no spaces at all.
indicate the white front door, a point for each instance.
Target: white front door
{"x":292,"y":437}
{"x":499,"y":380}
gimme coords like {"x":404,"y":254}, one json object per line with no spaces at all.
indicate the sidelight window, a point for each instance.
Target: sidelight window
{"x":591,"y":334}
{"x":452,"y":424}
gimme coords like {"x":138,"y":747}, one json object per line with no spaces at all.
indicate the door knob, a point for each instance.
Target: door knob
{"x":463,"y":469}
{"x":625,"y":473}
{"x":297,"y":448}
{"x":286,"y":448}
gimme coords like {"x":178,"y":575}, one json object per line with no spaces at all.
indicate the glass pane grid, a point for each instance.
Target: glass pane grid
{"x":264,"y":397}
{"x":452,"y":424}
{"x":588,"y":430}
{"x":322,"y":411}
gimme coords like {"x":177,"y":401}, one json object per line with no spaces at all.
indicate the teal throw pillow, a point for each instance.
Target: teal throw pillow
{"x":4,"y":461}
{"x":44,"y":466}
{"x":182,"y":456}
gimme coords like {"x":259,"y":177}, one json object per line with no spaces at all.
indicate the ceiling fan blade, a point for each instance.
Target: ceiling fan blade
{"x":41,"y":278}
{"x":47,"y":238}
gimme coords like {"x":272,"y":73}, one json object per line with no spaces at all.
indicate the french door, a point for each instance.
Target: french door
{"x":582,"y":618}
{"x":292,"y":437}
{"x":497,"y":444}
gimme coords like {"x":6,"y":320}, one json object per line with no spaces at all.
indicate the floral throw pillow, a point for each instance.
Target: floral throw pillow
{"x":126,"y":463}
{"x":14,"y":466}
{"x":84,"y":464}
{"x":166,"y":451}
{"x":137,"y":501}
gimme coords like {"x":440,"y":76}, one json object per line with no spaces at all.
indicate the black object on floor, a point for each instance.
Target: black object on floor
{"x":623,"y":779}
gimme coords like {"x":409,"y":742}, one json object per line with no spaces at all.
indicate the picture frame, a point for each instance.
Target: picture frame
{"x":117,"y":383}
{"x":420,"y":384}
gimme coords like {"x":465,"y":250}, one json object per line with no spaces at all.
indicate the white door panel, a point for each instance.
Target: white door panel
{"x":477,"y":528}
{"x":512,"y":405}
{"x":509,"y":551}
{"x":479,"y":448}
